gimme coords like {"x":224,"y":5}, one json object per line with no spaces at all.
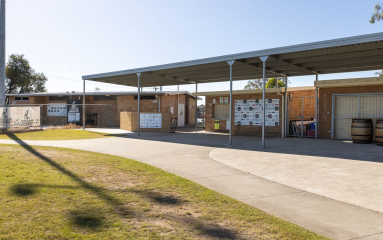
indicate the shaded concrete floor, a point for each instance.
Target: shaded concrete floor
{"x":187,"y":154}
{"x":347,"y":172}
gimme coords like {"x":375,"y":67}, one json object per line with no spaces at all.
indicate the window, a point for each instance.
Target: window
{"x":59,"y":98}
{"x":21,"y":98}
{"x":221,"y":110}
{"x":105,"y":98}
{"x":145,"y":97}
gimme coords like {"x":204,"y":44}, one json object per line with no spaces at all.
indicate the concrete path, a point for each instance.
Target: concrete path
{"x":187,"y":155}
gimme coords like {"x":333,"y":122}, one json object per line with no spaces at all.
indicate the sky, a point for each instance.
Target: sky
{"x":68,"y":39}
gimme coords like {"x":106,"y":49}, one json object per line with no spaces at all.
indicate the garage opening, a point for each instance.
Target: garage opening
{"x":348,"y":106}
{"x":301,"y":116}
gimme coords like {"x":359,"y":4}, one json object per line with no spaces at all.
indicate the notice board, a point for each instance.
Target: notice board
{"x":250,"y":112}
{"x":150,"y":120}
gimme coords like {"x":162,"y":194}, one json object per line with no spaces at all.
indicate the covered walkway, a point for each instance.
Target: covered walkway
{"x":359,"y":53}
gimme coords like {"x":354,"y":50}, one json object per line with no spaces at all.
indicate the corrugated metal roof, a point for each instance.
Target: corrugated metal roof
{"x":359,"y":53}
{"x":43,"y":94}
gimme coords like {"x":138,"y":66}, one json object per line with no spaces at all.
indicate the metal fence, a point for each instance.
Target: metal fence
{"x":57,"y":114}
{"x":301,"y":116}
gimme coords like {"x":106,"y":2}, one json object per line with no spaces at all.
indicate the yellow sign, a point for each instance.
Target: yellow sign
{"x":216,"y":124}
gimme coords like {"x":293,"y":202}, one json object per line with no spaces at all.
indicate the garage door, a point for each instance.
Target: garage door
{"x":347,"y":107}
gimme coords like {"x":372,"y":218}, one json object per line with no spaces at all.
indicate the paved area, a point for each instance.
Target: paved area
{"x":343,"y":171}
{"x":108,"y":130}
{"x":187,"y":155}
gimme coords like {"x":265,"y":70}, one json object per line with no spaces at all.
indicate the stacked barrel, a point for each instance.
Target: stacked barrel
{"x":362,"y":131}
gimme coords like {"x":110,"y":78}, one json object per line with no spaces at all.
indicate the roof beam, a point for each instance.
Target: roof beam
{"x":259,"y":66}
{"x":294,"y":65}
{"x":176,"y":79}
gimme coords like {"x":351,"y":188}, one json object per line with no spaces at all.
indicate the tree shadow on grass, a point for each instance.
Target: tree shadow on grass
{"x":26,"y":189}
{"x":158,"y":197}
{"x":93,"y":218}
{"x":29,"y":189}
{"x":87,"y":218}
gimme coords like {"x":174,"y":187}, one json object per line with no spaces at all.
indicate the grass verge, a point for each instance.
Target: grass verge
{"x":53,"y":193}
{"x":59,"y":134}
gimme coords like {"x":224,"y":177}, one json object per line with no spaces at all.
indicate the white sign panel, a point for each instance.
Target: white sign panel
{"x":57,"y":110}
{"x":19,"y":116}
{"x":249,"y":112}
{"x":150,"y":120}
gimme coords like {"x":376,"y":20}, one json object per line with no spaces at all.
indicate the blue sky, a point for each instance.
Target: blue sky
{"x":69,"y":39}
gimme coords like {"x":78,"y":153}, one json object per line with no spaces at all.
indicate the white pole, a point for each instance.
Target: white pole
{"x":2,"y":52}
{"x":231,"y":101}
{"x":264,"y":100}
{"x":316,"y":109}
{"x":286,"y":112}
{"x":196,"y":99}
{"x":138,"y":105}
{"x":83,"y":107}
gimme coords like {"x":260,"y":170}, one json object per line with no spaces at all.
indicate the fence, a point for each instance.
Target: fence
{"x":57,"y":114}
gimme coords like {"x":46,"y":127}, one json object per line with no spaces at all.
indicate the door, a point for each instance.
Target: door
{"x":301,"y":116}
{"x":347,"y":107}
{"x":181,"y":115}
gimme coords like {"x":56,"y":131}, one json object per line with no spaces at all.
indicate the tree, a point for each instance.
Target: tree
{"x":378,"y":13}
{"x":97,"y":89}
{"x":21,"y":78}
{"x":270,"y":83}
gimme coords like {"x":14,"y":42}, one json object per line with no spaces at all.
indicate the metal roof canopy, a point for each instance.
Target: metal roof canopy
{"x":133,"y":93}
{"x":359,"y":53}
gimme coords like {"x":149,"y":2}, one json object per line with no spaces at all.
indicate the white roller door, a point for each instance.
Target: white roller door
{"x":347,"y":107}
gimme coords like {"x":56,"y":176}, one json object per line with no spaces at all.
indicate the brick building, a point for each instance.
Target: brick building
{"x":338,"y":102}
{"x":106,"y":107}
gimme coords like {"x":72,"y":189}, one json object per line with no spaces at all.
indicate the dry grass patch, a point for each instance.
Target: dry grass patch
{"x":51,"y":193}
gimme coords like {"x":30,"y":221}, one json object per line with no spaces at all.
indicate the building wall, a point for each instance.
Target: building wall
{"x":109,"y":115}
{"x":270,"y":131}
{"x":325,"y":104}
{"x":129,"y":122}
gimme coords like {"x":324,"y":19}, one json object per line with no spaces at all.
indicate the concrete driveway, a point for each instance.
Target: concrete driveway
{"x":330,"y":187}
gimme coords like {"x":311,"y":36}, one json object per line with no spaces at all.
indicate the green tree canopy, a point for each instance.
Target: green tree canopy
{"x":378,"y":14}
{"x":21,"y":78}
{"x":270,"y":83}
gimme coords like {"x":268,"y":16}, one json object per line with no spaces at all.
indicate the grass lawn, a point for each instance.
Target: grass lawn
{"x":53,"y":193}
{"x":57,"y":134}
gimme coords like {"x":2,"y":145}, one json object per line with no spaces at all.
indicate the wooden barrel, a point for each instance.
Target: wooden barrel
{"x":379,"y":131}
{"x":362,"y":130}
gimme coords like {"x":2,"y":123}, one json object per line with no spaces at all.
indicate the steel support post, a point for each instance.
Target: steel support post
{"x":286,"y":110}
{"x":196,"y":100}
{"x":231,"y":101}
{"x":83,"y":106}
{"x":2,"y":52}
{"x":316,"y":110}
{"x":138,"y":104}
{"x":264,"y":58}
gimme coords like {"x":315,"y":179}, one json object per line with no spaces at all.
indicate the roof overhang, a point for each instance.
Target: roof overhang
{"x":352,"y":82}
{"x":359,"y":53}
{"x":131,"y":93}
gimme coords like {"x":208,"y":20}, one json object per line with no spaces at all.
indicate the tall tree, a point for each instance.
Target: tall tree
{"x":21,"y":78}
{"x":258,"y":83}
